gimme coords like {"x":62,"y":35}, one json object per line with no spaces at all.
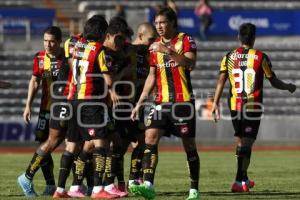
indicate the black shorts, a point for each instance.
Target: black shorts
{"x":60,"y":114}
{"x":177,"y":119}
{"x":123,"y":124}
{"x":88,"y":121}
{"x":42,"y":127}
{"x":246,"y":124}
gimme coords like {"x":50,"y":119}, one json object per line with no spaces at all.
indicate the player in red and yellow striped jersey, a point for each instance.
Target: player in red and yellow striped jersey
{"x":245,"y":67}
{"x":172,"y":57}
{"x":46,"y":66}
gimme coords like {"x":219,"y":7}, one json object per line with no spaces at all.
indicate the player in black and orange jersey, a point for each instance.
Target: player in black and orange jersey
{"x":46,"y":66}
{"x":172,"y":57}
{"x":133,"y":131}
{"x":245,"y":67}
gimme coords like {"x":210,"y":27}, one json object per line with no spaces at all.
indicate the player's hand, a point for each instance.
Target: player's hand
{"x":114,"y":98}
{"x":158,"y":47}
{"x":292,"y":88}
{"x":5,"y":85}
{"x":215,"y":112}
{"x":27,"y":115}
{"x":135,"y":113}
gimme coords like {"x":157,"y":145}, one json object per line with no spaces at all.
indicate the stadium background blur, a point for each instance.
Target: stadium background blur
{"x":278,"y":34}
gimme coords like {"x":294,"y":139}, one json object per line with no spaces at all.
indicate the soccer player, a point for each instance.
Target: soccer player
{"x":172,"y":57}
{"x":46,"y":66}
{"x":245,"y":67}
{"x":139,"y":69}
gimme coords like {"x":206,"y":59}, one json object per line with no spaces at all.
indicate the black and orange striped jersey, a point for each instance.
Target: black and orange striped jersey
{"x":246,"y":68}
{"x":88,"y":63}
{"x":47,"y":69}
{"x":173,"y":82}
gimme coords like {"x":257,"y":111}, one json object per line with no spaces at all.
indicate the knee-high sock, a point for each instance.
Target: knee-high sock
{"x":99,"y":159}
{"x":243,"y":155}
{"x":150,"y":161}
{"x":66,"y":162}
{"x":194,"y":168}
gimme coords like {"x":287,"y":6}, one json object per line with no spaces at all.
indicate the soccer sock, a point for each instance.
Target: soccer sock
{"x":99,"y":157}
{"x":66,"y":162}
{"x":35,"y":163}
{"x":136,"y":162}
{"x":111,"y":166}
{"x":89,"y":170}
{"x":150,"y":160}
{"x":79,"y":168}
{"x":194,"y":168}
{"x":243,"y":155}
{"x":120,"y":169}
{"x":47,"y":169}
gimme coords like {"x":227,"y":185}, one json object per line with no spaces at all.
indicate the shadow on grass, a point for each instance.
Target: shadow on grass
{"x":258,"y":193}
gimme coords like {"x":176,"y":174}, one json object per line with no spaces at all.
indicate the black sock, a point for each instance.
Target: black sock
{"x":243,"y":155}
{"x":89,"y":170}
{"x":120,"y":169}
{"x":150,"y":160}
{"x":111,"y":166}
{"x":66,"y":162}
{"x":47,"y":169}
{"x":79,"y":168}
{"x":35,"y":163}
{"x":136,"y":162}
{"x":99,"y":157}
{"x":194,"y":168}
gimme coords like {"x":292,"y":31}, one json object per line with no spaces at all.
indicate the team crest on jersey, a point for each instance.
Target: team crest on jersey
{"x":148,"y":122}
{"x":91,"y":132}
{"x":41,"y":63}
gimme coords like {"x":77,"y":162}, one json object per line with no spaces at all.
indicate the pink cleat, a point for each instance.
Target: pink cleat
{"x":116,"y":191}
{"x":78,"y":194}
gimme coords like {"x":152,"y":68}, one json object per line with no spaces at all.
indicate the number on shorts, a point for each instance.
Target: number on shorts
{"x":42,"y":124}
{"x":62,"y":113}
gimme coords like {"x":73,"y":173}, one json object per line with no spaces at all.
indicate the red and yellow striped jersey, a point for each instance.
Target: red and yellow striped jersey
{"x":70,"y":44}
{"x":173,"y":82}
{"x":246,"y":68}
{"x":47,"y":69}
{"x":88,"y":63}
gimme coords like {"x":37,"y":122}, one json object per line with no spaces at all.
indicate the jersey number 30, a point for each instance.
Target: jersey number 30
{"x":245,"y":80}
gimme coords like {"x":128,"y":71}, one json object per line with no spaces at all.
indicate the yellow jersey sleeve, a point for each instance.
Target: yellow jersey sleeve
{"x":102,"y":62}
{"x":267,"y":67}
{"x":66,"y":48}
{"x":223,"y":66}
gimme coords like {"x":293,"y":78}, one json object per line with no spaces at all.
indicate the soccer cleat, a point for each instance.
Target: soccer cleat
{"x":60,"y":195}
{"x":250,"y":183}
{"x":193,"y":195}
{"x":105,"y":195}
{"x":78,"y":194}
{"x":27,"y":186}
{"x":239,"y":187}
{"x":143,"y":190}
{"x":116,"y":191}
{"x":132,"y":187}
{"x":49,"y":190}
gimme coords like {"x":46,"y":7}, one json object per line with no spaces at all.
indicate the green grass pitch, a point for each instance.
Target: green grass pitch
{"x":277,"y":176}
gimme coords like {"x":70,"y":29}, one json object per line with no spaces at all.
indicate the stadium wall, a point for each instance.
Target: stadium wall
{"x":272,"y":129}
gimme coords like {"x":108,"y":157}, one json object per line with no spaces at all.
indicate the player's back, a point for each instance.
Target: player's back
{"x":246,"y":68}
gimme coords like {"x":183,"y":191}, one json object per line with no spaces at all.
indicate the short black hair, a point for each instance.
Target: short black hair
{"x":117,"y":25}
{"x":54,"y":30}
{"x":95,"y":28}
{"x":247,"y":33}
{"x":169,"y":14}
